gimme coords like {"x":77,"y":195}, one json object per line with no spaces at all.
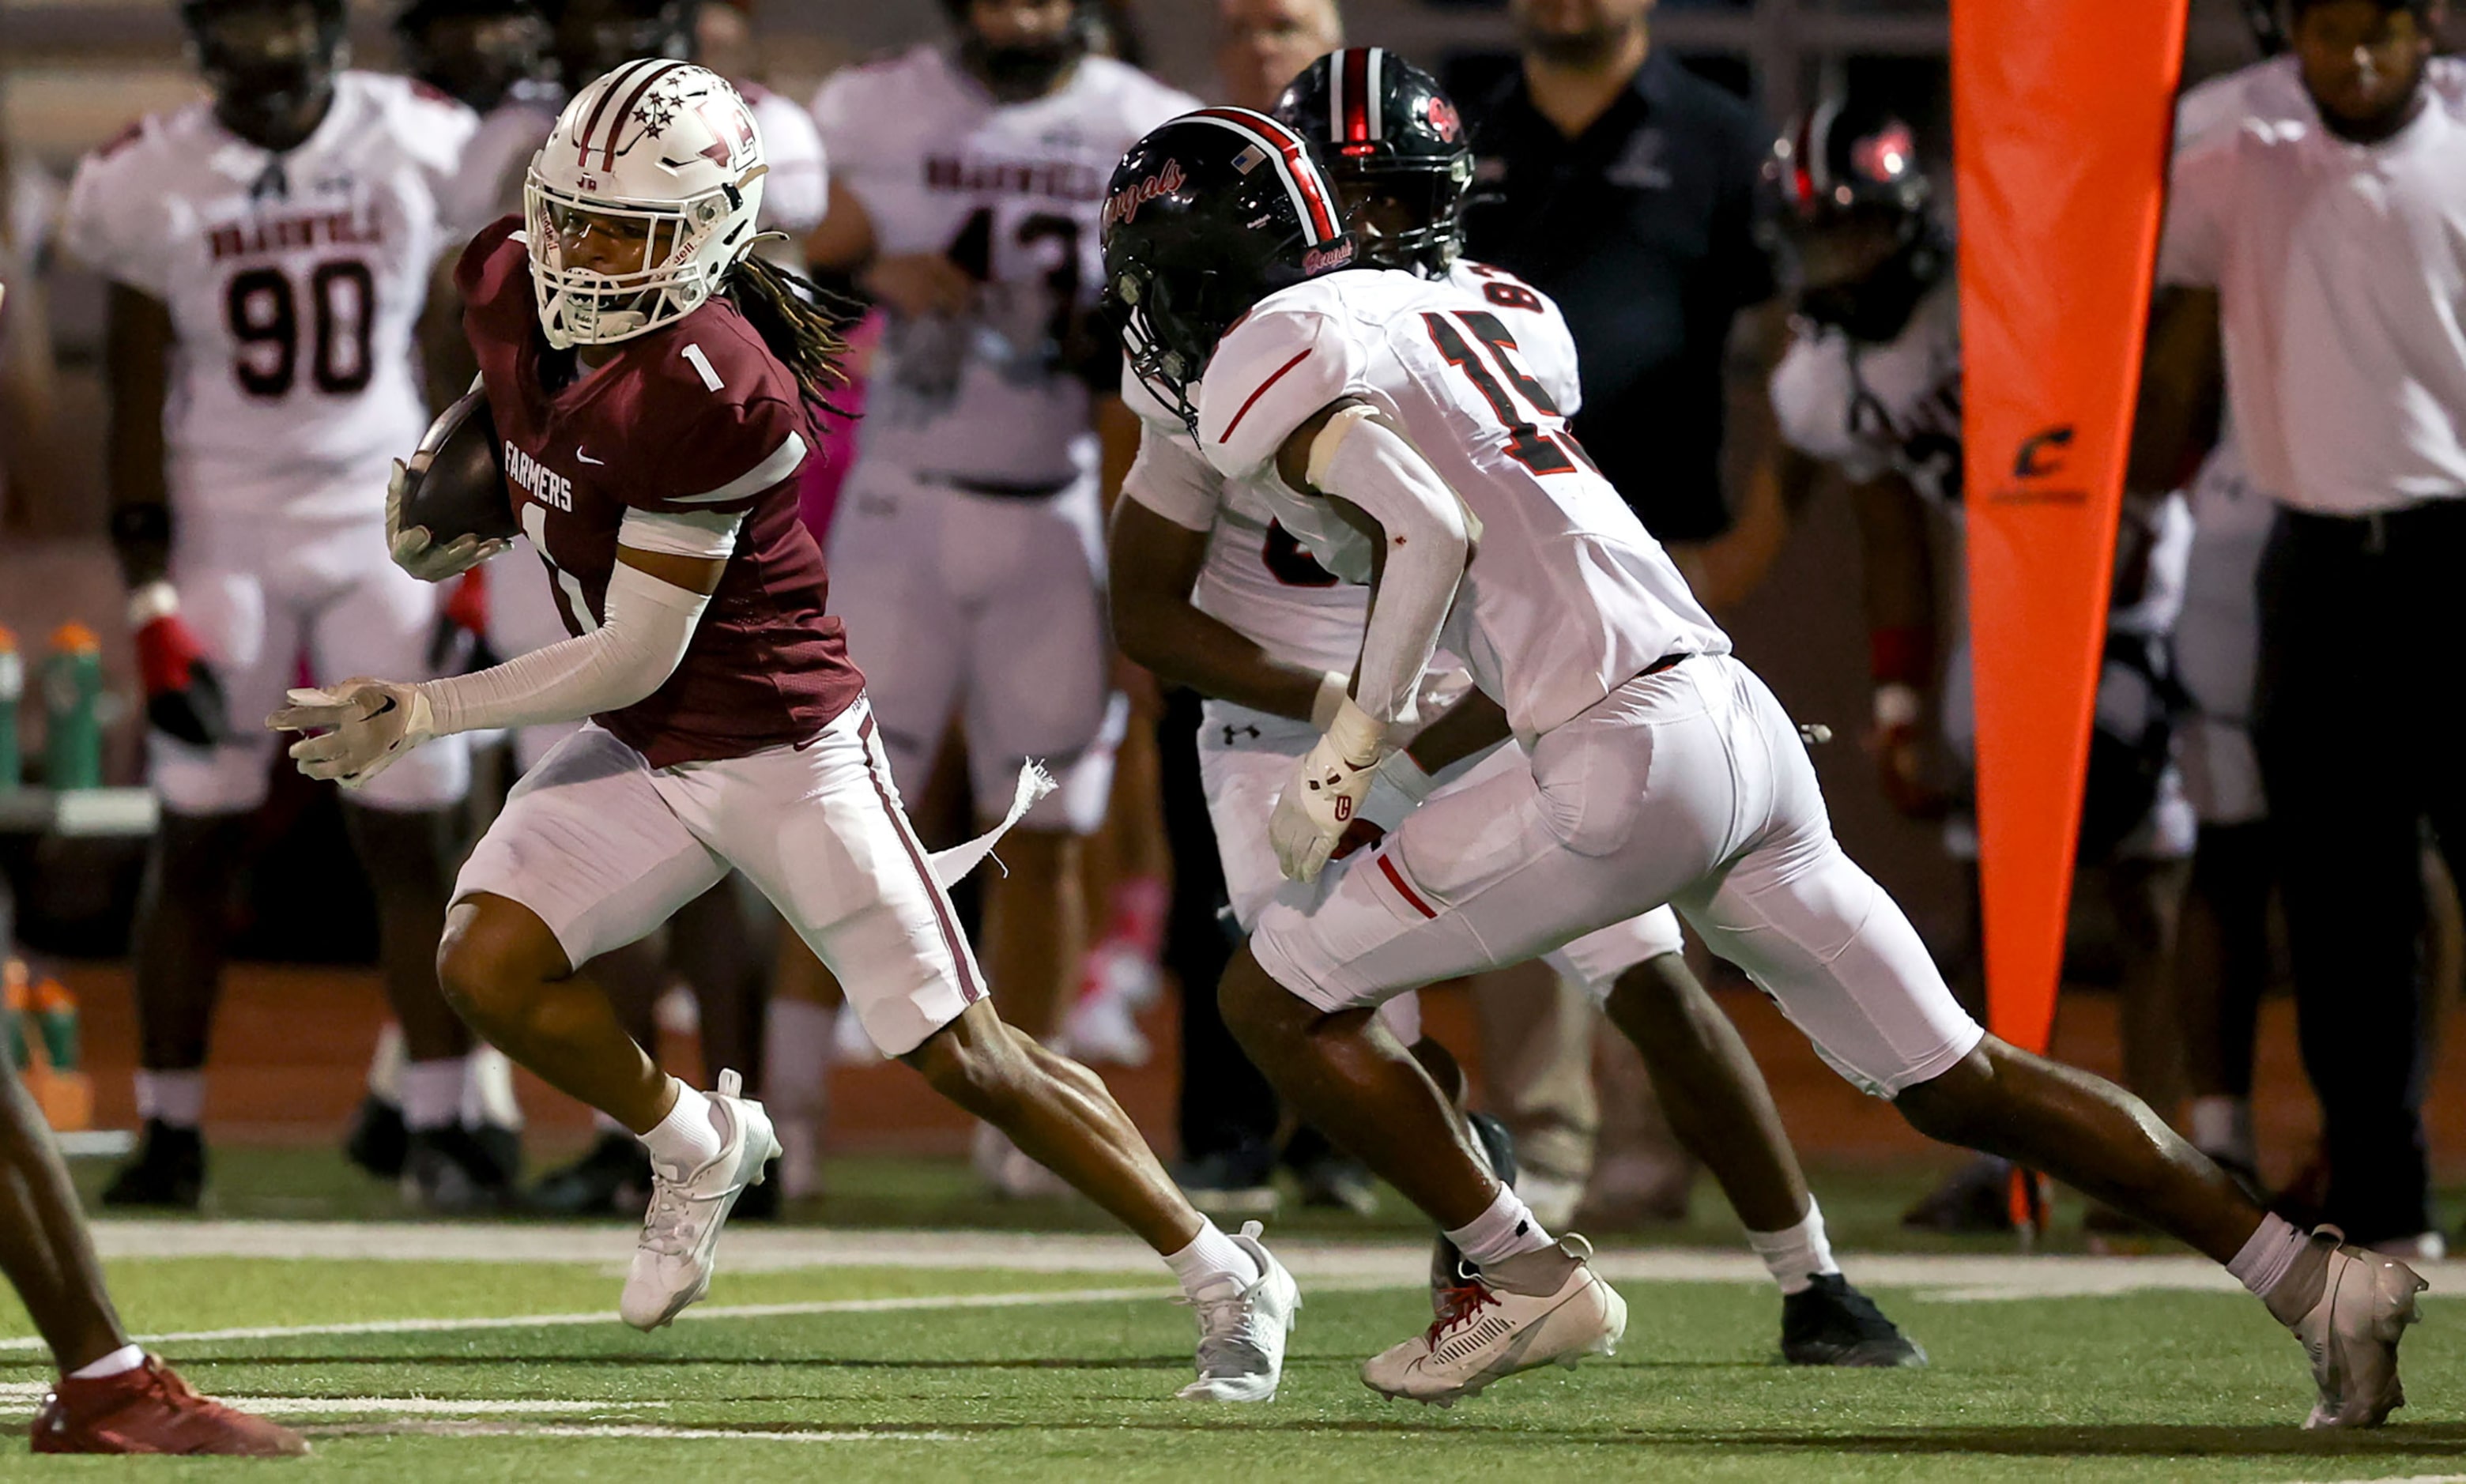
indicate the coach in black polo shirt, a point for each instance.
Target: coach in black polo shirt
{"x":1626,"y":189}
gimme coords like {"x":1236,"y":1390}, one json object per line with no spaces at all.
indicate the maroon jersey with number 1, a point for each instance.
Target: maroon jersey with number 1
{"x":696,"y":416}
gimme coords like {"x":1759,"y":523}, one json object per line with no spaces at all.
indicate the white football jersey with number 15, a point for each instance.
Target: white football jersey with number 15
{"x":293,"y":281}
{"x":1567,"y":597}
{"x":1258,"y":579}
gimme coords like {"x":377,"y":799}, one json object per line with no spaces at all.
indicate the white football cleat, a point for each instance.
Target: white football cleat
{"x":672,"y":1258}
{"x":2352,"y":1333}
{"x":1542,"y":1308}
{"x":1242,"y":1333}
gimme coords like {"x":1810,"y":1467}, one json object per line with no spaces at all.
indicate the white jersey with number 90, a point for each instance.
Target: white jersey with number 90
{"x":294,"y":283}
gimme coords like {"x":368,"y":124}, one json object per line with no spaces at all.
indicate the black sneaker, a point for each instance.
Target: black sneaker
{"x":169,"y":1172}
{"x":1831,"y":1323}
{"x":614,"y":1179}
{"x":503,"y":1147}
{"x":449,"y":1171}
{"x":1339,"y":1182}
{"x":1975,"y":1198}
{"x":1229,"y":1183}
{"x":378,"y":1140}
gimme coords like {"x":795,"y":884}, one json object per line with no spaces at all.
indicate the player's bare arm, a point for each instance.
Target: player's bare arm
{"x":906,"y":283}
{"x":1155,"y":563}
{"x":137,"y":356}
{"x":2182,"y":389}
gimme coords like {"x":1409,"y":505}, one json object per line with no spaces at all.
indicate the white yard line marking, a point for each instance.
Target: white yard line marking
{"x":609,"y":1315}
{"x":620,"y":1430}
{"x":2411,"y":1478}
{"x":19,"y":1399}
{"x":1949,"y":1277}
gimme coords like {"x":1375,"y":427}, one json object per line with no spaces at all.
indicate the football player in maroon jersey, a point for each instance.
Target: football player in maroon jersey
{"x":654,"y":388}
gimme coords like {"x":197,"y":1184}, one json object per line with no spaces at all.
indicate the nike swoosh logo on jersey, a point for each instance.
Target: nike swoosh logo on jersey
{"x":587,"y":459}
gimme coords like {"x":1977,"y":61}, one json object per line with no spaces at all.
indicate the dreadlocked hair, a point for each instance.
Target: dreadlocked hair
{"x":799,"y":320}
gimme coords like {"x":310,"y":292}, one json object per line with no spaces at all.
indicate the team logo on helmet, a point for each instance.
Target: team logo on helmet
{"x":1319,"y":260}
{"x":1886,"y":155}
{"x":1444,"y":121}
{"x":1123,"y":207}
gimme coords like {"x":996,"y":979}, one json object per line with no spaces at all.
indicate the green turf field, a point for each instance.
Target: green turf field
{"x":889,"y":1370}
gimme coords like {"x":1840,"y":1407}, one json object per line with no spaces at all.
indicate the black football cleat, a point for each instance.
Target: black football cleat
{"x":614,"y":1179}
{"x":449,"y":1172}
{"x":169,"y":1172}
{"x":378,"y":1140}
{"x":1831,"y":1323}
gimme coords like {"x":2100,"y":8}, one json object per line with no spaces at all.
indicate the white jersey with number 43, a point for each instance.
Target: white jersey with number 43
{"x":294,"y":282}
{"x":1567,"y":597}
{"x":1012,"y":193}
{"x":1257,"y":579}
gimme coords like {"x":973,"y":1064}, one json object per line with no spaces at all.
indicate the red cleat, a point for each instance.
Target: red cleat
{"x":151,"y":1410}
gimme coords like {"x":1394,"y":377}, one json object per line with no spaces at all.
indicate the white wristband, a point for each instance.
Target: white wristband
{"x":1897,"y":704}
{"x":1333,"y":691}
{"x":1356,"y":734}
{"x":157,"y":599}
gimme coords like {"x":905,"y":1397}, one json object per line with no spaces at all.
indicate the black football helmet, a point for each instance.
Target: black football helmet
{"x":1207,"y":215}
{"x":473,"y":49}
{"x":1386,"y":133}
{"x":1850,"y":175}
{"x":271,"y":64}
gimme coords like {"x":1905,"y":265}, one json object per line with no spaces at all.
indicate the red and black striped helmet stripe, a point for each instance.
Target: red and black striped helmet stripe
{"x":1292,"y":158}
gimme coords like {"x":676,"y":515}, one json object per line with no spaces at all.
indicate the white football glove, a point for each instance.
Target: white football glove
{"x":415,"y":550}
{"x":358,"y":728}
{"x":1324,"y":794}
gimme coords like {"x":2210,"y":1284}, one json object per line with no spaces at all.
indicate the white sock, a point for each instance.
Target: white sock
{"x":1798,"y":1256}
{"x":1210,"y":1259}
{"x":488,"y":1090}
{"x":688,"y":1137}
{"x":174,"y":1097}
{"x":2223,"y":1125}
{"x":2268,"y":1253}
{"x":797,"y":1057}
{"x":125,"y":1358}
{"x":385,"y":1068}
{"x":1507,"y":1229}
{"x":432,"y":1093}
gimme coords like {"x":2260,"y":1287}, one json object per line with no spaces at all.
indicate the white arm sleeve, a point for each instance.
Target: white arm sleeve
{"x":1428,"y":537}
{"x":1170,"y":478}
{"x":629,"y":655}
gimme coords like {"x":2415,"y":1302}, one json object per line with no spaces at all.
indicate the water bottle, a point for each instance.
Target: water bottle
{"x":17,"y":996}
{"x":13,"y":690}
{"x":56,"y":1021}
{"x":72,"y":706}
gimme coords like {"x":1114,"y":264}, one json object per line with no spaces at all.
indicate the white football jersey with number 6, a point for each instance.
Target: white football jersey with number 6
{"x":294,"y":282}
{"x":1567,"y":597}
